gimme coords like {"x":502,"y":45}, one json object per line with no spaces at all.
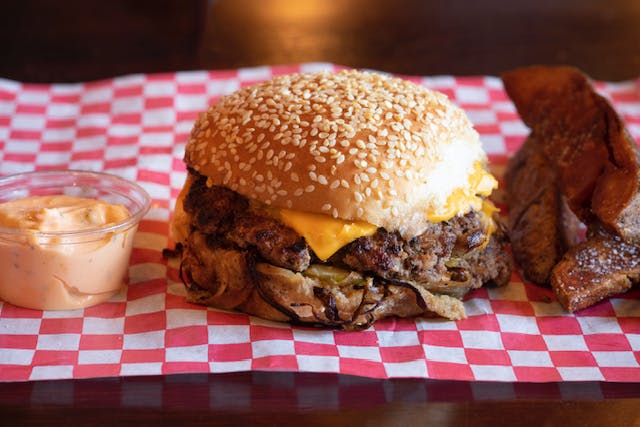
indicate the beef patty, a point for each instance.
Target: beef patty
{"x":450,"y":257}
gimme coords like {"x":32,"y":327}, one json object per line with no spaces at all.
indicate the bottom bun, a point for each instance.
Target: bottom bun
{"x":324,"y":296}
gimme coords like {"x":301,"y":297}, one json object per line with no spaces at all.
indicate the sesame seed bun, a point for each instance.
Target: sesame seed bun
{"x":353,"y":145}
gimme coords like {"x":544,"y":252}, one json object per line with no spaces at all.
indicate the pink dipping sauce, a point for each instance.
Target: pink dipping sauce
{"x":65,"y":256}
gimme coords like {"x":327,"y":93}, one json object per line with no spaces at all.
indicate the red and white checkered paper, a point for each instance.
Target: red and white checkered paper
{"x":136,"y":126}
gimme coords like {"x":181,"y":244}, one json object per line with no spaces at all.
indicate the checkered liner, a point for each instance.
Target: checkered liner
{"x":136,"y":127}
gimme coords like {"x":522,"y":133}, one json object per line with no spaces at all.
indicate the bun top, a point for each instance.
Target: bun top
{"x":354,"y":145}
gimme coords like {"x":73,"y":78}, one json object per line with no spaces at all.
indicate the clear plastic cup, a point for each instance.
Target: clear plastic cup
{"x":68,"y":269}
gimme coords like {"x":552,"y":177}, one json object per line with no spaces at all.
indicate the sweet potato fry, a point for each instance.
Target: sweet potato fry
{"x":599,"y":268}
{"x":541,"y":225}
{"x":586,"y":142}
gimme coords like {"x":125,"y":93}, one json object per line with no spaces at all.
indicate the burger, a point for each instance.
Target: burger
{"x":337,"y":199}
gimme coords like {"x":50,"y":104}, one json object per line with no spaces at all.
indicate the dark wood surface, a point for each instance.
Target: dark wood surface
{"x":308,"y":399}
{"x":78,"y":40}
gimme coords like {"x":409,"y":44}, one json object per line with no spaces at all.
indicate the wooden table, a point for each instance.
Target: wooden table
{"x":78,"y":40}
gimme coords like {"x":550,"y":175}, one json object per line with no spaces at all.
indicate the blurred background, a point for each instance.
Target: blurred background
{"x":77,"y":40}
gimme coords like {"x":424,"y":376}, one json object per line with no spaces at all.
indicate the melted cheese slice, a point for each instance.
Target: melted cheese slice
{"x":480,"y":183}
{"x":488,"y":209}
{"x":323,"y":233}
